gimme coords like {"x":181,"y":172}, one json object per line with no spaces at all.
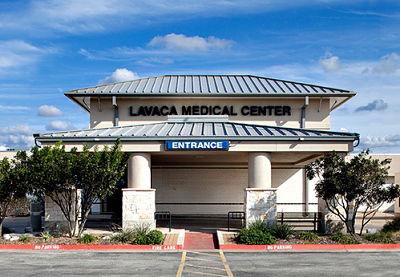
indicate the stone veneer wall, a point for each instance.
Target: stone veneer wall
{"x":138,"y":207}
{"x":55,"y":221}
{"x":260,"y":204}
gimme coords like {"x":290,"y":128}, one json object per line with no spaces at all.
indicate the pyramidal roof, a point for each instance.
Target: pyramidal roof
{"x":206,"y":86}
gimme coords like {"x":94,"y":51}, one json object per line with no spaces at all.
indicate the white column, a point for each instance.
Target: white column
{"x":259,"y":171}
{"x":260,"y":198}
{"x":139,"y":171}
{"x":138,"y":200}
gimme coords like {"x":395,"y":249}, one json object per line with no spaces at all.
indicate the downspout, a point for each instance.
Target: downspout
{"x":116,"y":112}
{"x":36,"y":137}
{"x":303,"y":114}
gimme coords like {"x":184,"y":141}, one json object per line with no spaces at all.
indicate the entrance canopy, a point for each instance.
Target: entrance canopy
{"x":193,"y":130}
{"x":241,"y":137}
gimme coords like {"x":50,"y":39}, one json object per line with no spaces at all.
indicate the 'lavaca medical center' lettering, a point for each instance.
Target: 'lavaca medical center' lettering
{"x":210,"y":110}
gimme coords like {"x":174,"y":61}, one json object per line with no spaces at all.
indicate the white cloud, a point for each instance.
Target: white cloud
{"x":49,"y":111}
{"x":376,"y":105}
{"x":18,"y":136}
{"x":18,"y":53}
{"x":3,"y":148}
{"x":388,"y":64}
{"x":384,"y":141}
{"x":119,"y":75}
{"x":330,"y":63}
{"x":17,"y":141}
{"x":22,"y":129}
{"x":58,"y":125}
{"x":161,"y":48}
{"x":13,"y":108}
{"x":180,"y":42}
{"x":77,"y":16}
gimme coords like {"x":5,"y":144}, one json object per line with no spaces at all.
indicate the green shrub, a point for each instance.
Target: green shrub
{"x":344,"y":238}
{"x":45,"y":236}
{"x":379,"y":238}
{"x":281,"y":231}
{"x":87,"y":238}
{"x":155,"y":237}
{"x":309,"y":236}
{"x":259,"y":225}
{"x":141,"y":229}
{"x":392,"y":226}
{"x":140,"y":235}
{"x":254,"y":236}
{"x":24,"y":239}
{"x":124,"y":236}
{"x":141,"y":239}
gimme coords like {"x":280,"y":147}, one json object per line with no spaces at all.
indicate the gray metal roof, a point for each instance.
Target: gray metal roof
{"x":207,"y":130}
{"x":205,"y":86}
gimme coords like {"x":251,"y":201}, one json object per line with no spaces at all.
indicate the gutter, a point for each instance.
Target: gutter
{"x":213,"y":138}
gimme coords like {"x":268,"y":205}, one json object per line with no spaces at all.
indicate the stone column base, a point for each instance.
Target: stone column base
{"x":138,"y":207}
{"x":260,"y":204}
{"x":55,"y":221}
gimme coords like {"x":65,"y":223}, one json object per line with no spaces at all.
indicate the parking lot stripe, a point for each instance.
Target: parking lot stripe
{"x":204,"y":273}
{"x":204,"y":260}
{"x":201,"y":253}
{"x":208,"y":267}
{"x":228,"y":270}
{"x":181,"y":265}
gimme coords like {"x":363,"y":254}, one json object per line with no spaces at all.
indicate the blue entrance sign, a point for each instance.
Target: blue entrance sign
{"x":197,"y":145}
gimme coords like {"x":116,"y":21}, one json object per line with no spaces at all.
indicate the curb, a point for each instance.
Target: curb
{"x":88,"y":247}
{"x":310,"y":247}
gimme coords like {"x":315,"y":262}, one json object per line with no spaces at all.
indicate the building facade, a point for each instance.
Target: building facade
{"x":210,"y":144}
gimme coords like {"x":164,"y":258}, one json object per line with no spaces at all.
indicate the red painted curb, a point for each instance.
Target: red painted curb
{"x":89,"y":247}
{"x":309,"y":246}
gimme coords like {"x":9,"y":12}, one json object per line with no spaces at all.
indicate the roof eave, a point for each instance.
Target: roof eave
{"x":113,"y":138}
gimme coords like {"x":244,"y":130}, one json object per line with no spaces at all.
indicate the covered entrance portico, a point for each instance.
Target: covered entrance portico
{"x":262,"y":169}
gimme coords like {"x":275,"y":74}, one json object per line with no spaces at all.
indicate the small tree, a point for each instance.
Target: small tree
{"x":346,"y":186}
{"x":12,"y":185}
{"x":75,"y":180}
{"x":97,"y":175}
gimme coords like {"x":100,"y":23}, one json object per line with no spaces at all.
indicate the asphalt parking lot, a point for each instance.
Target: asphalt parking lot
{"x":211,"y":263}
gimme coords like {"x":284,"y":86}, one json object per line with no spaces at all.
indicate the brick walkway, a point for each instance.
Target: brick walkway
{"x":200,"y":241}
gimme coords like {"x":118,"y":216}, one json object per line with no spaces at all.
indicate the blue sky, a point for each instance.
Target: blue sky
{"x":49,"y":47}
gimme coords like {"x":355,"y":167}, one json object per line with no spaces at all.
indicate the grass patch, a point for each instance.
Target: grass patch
{"x":254,"y":237}
{"x":379,"y":238}
{"x":258,"y":233}
{"x":308,"y":236}
{"x":87,"y":238}
{"x":45,"y":236}
{"x":124,"y":236}
{"x":281,"y":231}
{"x":140,"y":235}
{"x":24,"y":239}
{"x":344,"y":238}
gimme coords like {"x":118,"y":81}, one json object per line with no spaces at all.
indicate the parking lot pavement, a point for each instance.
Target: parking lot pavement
{"x":314,"y":264}
{"x":240,"y":264}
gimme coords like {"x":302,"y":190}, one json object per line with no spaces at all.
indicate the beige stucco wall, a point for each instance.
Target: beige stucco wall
{"x":223,"y":185}
{"x":7,"y":154}
{"x":235,"y":146}
{"x":317,"y":113}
